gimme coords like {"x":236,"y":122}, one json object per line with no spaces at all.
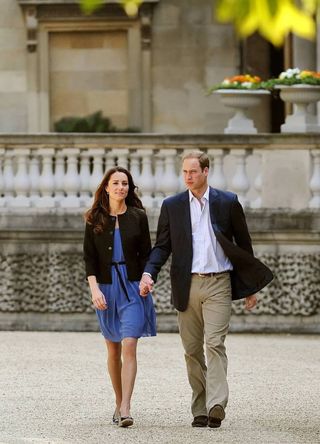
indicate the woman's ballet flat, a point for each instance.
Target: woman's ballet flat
{"x":115,"y":418}
{"x":125,"y":421}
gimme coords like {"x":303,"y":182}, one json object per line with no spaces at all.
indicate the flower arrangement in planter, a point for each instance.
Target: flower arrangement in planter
{"x":240,"y":92}
{"x":242,"y":81}
{"x":293,"y":76}
{"x":301,"y":88}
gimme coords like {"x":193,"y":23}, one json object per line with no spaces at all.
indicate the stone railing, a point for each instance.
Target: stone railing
{"x":62,"y":171}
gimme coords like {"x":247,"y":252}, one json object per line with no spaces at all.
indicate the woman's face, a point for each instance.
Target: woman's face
{"x":118,"y":186}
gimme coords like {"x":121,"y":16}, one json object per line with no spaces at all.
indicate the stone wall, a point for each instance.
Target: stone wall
{"x":42,"y":284}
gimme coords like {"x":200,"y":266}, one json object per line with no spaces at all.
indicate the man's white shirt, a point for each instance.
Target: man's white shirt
{"x":208,"y":256}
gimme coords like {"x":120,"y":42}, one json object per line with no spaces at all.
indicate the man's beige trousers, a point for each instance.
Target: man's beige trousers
{"x":207,"y":319}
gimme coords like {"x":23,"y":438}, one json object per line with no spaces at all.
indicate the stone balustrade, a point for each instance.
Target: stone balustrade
{"x":62,"y":171}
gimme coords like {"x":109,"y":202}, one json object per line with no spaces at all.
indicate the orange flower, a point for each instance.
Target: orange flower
{"x":306,"y":73}
{"x":243,"y":78}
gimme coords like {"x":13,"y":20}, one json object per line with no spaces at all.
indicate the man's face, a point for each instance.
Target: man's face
{"x":194,"y":178}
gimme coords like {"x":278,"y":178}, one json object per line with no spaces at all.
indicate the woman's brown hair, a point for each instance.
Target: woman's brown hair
{"x":97,"y":215}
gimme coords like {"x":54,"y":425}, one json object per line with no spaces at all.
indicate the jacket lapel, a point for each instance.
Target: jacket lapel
{"x":214,"y":205}
{"x":185,"y":216}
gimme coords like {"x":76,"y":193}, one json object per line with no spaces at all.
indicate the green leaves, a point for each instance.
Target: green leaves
{"x":130,"y":6}
{"x":273,"y":19}
{"x":88,"y":6}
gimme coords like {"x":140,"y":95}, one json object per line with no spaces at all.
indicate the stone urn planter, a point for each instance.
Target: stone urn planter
{"x":301,"y":96}
{"x":241,"y":100}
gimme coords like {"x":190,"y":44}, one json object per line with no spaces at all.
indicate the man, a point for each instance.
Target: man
{"x":212,"y":263}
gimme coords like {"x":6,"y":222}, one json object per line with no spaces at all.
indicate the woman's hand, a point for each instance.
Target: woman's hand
{"x":98,"y":299}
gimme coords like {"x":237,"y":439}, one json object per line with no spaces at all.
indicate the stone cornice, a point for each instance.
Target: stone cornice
{"x":136,"y":140}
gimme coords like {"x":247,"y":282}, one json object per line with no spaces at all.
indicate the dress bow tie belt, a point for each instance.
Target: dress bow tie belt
{"x":123,"y":285}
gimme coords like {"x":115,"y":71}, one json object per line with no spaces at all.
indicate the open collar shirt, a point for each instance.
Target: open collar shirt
{"x":208,"y":256}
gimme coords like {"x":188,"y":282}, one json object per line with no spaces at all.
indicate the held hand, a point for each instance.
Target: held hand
{"x":251,"y":302}
{"x":98,"y":299}
{"x":146,"y":285}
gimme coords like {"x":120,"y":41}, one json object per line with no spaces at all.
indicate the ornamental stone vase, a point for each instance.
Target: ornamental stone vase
{"x":301,"y":96}
{"x":241,"y":100}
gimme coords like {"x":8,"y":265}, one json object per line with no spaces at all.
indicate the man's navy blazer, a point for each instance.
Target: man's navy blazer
{"x":174,"y":235}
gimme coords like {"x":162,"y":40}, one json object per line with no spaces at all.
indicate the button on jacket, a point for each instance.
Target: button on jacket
{"x":136,"y":245}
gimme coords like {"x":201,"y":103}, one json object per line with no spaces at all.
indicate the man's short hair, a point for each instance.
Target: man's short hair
{"x":201,"y":156}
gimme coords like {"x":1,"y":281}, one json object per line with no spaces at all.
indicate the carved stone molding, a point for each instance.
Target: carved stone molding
{"x":146,"y":15}
{"x":36,"y":11}
{"x":32,"y":28}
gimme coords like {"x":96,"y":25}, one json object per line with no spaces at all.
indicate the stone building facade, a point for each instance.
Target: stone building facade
{"x":150,"y":73}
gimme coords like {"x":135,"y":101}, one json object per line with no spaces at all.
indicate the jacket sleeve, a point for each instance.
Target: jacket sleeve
{"x":145,"y":241}
{"x":240,"y":228}
{"x":90,"y":254}
{"x":162,"y":248}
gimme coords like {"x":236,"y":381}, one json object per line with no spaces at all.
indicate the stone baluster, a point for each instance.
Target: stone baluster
{"x":122,"y":155}
{"x":158,"y":176}
{"x":315,"y":180}
{"x":135,"y":166}
{"x":71,"y":179}
{"x":169,"y":182}
{"x":21,"y":179}
{"x":59,"y":174}
{"x":146,"y":179}
{"x":34,"y":174}
{"x":135,"y":169}
{"x":46,"y":181}
{"x":2,"y":199}
{"x":257,"y":184}
{"x":240,"y":182}
{"x":181,"y":184}
{"x":85,"y":195}
{"x":8,"y":177}
{"x":110,"y":160}
{"x":97,"y":169}
{"x":217,"y":178}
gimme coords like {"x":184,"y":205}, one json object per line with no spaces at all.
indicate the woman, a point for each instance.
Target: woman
{"x":116,"y":247}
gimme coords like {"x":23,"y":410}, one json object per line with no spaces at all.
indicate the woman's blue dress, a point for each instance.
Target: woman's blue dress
{"x":128,"y":315}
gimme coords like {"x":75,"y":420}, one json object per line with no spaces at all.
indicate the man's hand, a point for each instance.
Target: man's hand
{"x":146,"y":284}
{"x":251,"y":302}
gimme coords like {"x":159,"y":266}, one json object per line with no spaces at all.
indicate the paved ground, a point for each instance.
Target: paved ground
{"x":53,"y":389}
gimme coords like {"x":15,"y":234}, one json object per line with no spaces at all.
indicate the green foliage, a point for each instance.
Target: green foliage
{"x":89,"y":6}
{"x":273,"y":19}
{"x":130,"y":6}
{"x":94,"y":123}
{"x":271,"y":83}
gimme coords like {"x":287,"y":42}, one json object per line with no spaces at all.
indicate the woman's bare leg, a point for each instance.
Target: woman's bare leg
{"x":114,"y":369}
{"x":128,"y":374}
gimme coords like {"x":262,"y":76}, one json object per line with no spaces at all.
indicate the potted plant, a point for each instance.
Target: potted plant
{"x":301,"y":88}
{"x":240,"y":92}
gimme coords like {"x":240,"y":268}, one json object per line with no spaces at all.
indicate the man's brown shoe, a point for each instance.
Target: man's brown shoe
{"x":200,"y":421}
{"x":216,"y":415}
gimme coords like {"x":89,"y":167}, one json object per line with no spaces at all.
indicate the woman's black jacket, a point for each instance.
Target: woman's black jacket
{"x":136,"y":245}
